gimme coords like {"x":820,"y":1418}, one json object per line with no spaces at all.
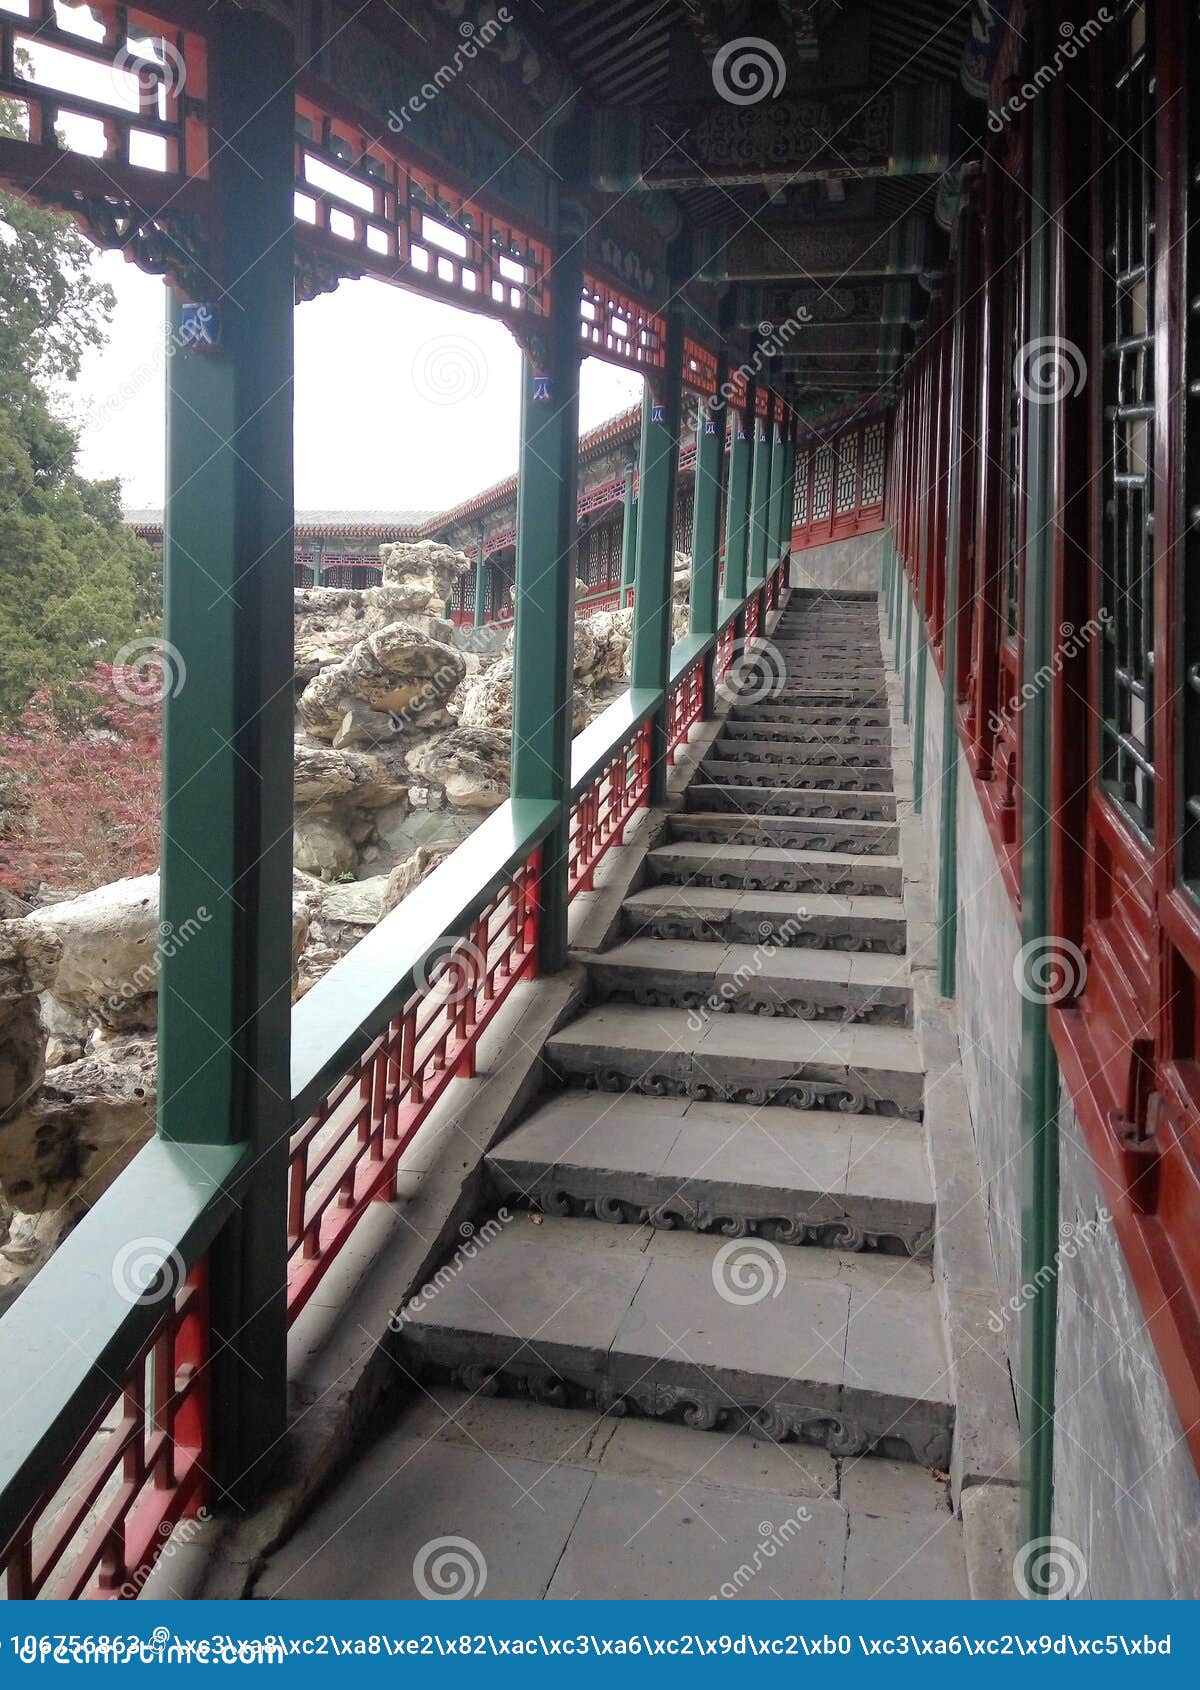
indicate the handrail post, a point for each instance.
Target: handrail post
{"x":543,"y":626}
{"x":706,"y":522}
{"x":651,"y":647}
{"x":224,"y":991}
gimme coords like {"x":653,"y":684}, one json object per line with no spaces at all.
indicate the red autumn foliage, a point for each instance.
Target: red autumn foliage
{"x":79,"y":788}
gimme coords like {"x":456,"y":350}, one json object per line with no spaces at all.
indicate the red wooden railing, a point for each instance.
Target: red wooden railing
{"x":345,"y":1155}
{"x":599,"y":815}
{"x":139,"y":1467}
{"x":685,"y":706}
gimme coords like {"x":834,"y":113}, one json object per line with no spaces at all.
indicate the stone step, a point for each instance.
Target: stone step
{"x":741,"y":1059}
{"x":813,"y":921}
{"x":795,"y":707}
{"x":794,"y":716}
{"x":830,"y":715}
{"x":803,"y":753}
{"x":747,"y":1335}
{"x":751,"y":800}
{"x":766,"y":868}
{"x":806,"y":833}
{"x":712,"y":978}
{"x":813,"y":792}
{"x":818,"y":768}
{"x":818,"y":735}
{"x":792,"y":1176}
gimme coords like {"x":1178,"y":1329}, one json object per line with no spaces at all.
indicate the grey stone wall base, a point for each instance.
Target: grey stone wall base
{"x":985,"y":1464}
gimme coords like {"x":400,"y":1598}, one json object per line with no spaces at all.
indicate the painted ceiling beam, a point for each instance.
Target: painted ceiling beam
{"x":835,"y":247}
{"x":903,"y":130}
{"x":850,"y":302}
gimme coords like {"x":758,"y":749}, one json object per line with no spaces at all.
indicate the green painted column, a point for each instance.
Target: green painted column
{"x":948,"y":831}
{"x":628,"y":533}
{"x":651,"y":645}
{"x":543,"y":637}
{"x":480,"y":580}
{"x":1039,"y":1064}
{"x":224,"y":987}
{"x":761,"y":457}
{"x":737,"y":504}
{"x":706,"y":532}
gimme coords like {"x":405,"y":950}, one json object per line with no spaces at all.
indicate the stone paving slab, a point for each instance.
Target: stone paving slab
{"x":635,"y":1539}
{"x":790,"y":920}
{"x":381,"y":1534}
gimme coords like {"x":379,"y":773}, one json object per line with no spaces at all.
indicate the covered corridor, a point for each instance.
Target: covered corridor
{"x":761,"y":1160}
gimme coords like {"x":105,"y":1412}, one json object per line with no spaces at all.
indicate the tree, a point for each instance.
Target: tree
{"x":79,"y":785}
{"x":75,"y":582}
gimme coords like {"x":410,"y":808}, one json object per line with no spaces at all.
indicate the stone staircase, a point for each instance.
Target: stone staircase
{"x":737,"y":1108}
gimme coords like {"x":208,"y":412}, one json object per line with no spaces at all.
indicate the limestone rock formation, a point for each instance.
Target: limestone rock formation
{"x":96,"y":956}
{"x":471,"y":765}
{"x":420,"y":574}
{"x":394,"y":681}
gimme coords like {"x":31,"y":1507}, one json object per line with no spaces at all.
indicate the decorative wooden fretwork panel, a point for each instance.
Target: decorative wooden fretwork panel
{"x":614,"y":326}
{"x":361,"y":209}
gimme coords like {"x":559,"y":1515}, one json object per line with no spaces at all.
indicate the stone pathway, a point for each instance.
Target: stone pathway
{"x":701,"y":1351}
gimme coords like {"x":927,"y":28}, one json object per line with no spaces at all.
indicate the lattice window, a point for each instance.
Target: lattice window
{"x":846,"y":497}
{"x":1127,"y":197}
{"x":822,"y":490}
{"x":800,"y":501}
{"x":872,"y":466}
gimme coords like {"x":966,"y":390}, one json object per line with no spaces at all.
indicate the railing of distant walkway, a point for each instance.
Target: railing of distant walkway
{"x":102,"y":1461}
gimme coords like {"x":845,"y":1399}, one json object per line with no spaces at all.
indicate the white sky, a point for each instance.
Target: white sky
{"x":402,"y":403}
